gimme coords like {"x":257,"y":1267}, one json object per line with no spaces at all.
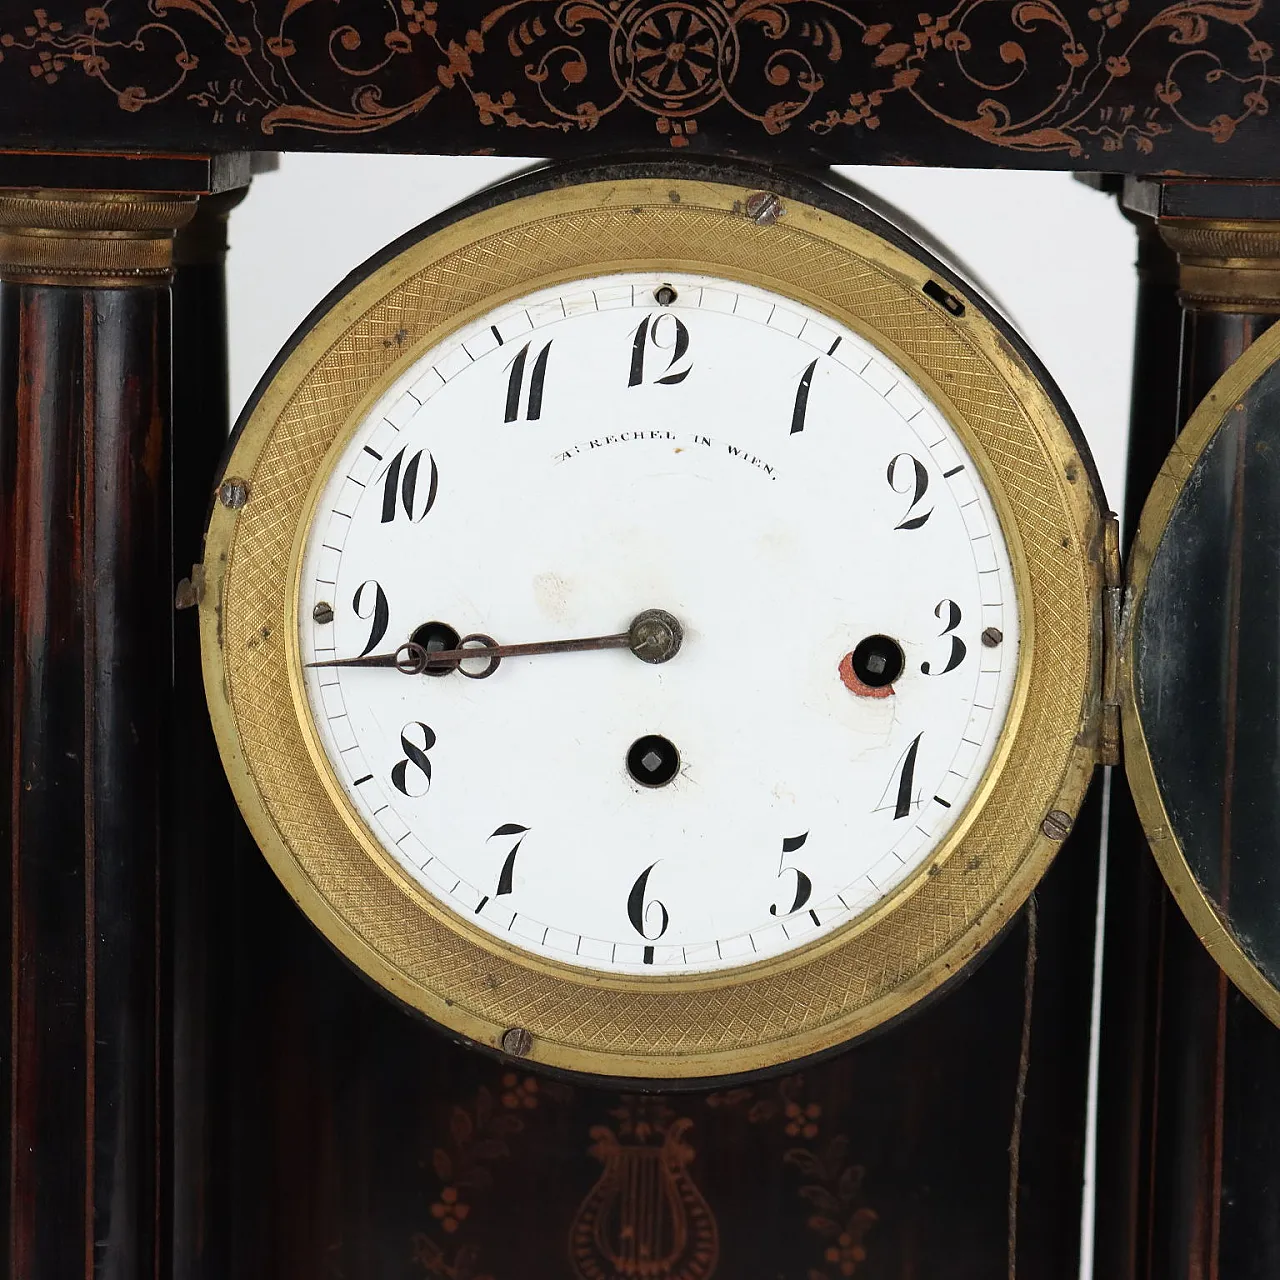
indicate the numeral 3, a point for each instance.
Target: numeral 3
{"x":958,"y":649}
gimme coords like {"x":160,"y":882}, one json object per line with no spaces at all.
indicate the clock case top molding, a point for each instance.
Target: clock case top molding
{"x":1129,"y":86}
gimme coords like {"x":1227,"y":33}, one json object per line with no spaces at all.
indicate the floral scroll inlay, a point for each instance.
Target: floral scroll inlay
{"x":838,"y":1213}
{"x":1022,"y":75}
{"x":478,"y":1135}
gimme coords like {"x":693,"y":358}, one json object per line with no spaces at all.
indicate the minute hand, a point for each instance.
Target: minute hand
{"x":412,"y":659}
{"x":620,"y":641}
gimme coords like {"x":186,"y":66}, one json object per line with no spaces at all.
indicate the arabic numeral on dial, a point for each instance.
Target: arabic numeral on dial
{"x":400,"y":487}
{"x":898,"y":795}
{"x":802,"y":398}
{"x":412,"y":775}
{"x":641,"y":913}
{"x":506,"y":875}
{"x":537,"y":380}
{"x":370,"y":596}
{"x":652,"y":332}
{"x":908,"y":475}
{"x":951,"y":611}
{"x":803,"y":886}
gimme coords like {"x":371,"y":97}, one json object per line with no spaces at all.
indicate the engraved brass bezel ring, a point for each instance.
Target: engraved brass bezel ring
{"x":694,"y":1026}
{"x":1203,"y":916}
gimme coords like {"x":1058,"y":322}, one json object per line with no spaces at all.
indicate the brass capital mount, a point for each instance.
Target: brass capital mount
{"x":89,"y":239}
{"x":1225,"y":264}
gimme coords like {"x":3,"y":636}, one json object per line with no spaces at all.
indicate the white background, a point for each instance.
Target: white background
{"x":1056,"y":254}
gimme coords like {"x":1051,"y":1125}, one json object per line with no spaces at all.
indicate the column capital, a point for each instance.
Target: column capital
{"x":89,"y":239}
{"x":1226,"y":264}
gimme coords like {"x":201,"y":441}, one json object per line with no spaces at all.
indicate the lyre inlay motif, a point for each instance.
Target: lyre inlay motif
{"x":645,"y":1218}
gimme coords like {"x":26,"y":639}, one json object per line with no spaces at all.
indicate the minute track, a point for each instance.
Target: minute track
{"x":910,"y":493}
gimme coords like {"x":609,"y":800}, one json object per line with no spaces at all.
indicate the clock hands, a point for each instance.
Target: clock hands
{"x":654,"y":636}
{"x":410,"y":658}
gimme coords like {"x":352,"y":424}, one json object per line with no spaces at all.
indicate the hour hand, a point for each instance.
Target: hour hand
{"x":653,"y":636}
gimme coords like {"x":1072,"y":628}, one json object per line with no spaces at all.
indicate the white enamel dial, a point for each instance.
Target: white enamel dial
{"x":750,"y":466}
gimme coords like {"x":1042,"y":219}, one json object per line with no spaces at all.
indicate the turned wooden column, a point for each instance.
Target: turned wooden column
{"x":1189,"y":1115}
{"x":86,"y":674}
{"x":203,"y":922}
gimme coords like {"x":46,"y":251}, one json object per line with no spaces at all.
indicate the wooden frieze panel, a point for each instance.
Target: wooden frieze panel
{"x":1118,"y":85}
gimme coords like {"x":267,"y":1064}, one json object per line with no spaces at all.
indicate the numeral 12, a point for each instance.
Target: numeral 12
{"x":647,"y":335}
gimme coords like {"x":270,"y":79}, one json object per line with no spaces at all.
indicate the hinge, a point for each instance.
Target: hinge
{"x":190,"y":591}
{"x":1112,"y":602}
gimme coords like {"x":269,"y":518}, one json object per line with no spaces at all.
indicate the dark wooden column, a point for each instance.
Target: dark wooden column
{"x":1189,"y":1115}
{"x":86,"y":590}
{"x":209,"y":847}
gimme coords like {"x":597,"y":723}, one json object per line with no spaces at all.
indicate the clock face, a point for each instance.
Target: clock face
{"x":826,"y":649}
{"x":652,"y":639}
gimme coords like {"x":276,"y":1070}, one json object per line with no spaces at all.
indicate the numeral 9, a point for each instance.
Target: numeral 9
{"x":380,"y":612}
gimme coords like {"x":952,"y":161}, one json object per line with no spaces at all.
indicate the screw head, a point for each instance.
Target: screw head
{"x":1056,"y":824}
{"x":233,"y":493}
{"x":764,"y":208}
{"x":517,"y":1042}
{"x":992,"y":637}
{"x":323,"y":612}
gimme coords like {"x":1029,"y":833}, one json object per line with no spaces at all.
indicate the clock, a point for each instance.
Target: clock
{"x":652,"y":620}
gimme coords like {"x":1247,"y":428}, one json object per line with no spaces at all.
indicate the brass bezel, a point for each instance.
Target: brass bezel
{"x":1216,"y":934}
{"x":698,"y":1025}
